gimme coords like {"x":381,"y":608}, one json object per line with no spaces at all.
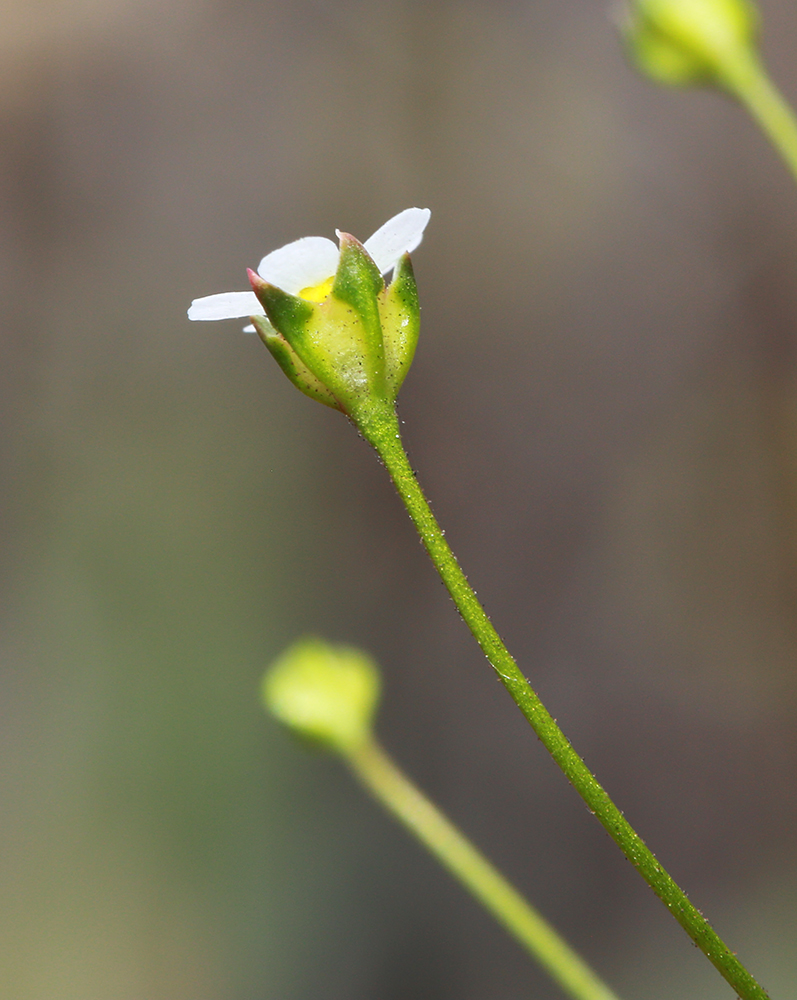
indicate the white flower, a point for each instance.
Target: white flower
{"x":307,"y":267}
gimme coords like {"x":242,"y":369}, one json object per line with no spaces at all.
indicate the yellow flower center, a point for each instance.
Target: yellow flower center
{"x":317,"y":293}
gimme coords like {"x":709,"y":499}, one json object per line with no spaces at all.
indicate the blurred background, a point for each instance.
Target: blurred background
{"x":603,"y":409}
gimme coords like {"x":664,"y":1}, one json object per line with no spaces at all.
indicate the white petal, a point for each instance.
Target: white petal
{"x":249,"y":329}
{"x":301,"y":264}
{"x":226,"y":305}
{"x":398,"y":236}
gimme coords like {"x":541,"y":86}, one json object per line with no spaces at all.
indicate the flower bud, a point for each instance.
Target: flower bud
{"x":327,"y":694}
{"x":683,"y":42}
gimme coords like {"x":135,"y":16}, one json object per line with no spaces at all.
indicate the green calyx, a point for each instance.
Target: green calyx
{"x":691,"y":42}
{"x":352,"y":350}
{"x":326,"y":694}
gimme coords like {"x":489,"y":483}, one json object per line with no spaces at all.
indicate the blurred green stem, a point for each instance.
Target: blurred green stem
{"x":381,"y":429}
{"x":455,"y":852}
{"x":747,"y":80}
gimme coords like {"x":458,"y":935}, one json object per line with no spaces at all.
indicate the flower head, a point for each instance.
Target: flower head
{"x":325,"y":314}
{"x":683,"y":42}
{"x":327,"y":694}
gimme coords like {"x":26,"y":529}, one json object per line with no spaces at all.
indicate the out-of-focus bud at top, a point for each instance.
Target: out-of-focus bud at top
{"x":325,"y":314}
{"x":683,"y":42}
{"x":327,"y":694}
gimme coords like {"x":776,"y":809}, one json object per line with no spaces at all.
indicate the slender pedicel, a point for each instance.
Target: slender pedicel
{"x":384,"y":435}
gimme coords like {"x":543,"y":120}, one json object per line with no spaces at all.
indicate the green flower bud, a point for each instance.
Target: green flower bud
{"x":683,"y":42}
{"x":327,"y":694}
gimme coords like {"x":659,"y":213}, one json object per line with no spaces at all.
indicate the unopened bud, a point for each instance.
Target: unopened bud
{"x":327,"y":694}
{"x":683,"y":42}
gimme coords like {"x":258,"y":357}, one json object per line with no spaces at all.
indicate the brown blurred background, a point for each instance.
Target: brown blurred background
{"x":603,"y":409}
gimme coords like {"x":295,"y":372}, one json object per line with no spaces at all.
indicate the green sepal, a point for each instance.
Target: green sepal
{"x":357,"y":286}
{"x":326,"y":694}
{"x":290,"y":363}
{"x":288,"y":314}
{"x":691,"y":42}
{"x":401,"y":324}
{"x":335,"y":347}
{"x":329,"y":348}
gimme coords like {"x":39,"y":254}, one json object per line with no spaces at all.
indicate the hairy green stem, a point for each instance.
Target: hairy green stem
{"x":409,"y":805}
{"x":747,"y":80}
{"x":381,"y":428}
